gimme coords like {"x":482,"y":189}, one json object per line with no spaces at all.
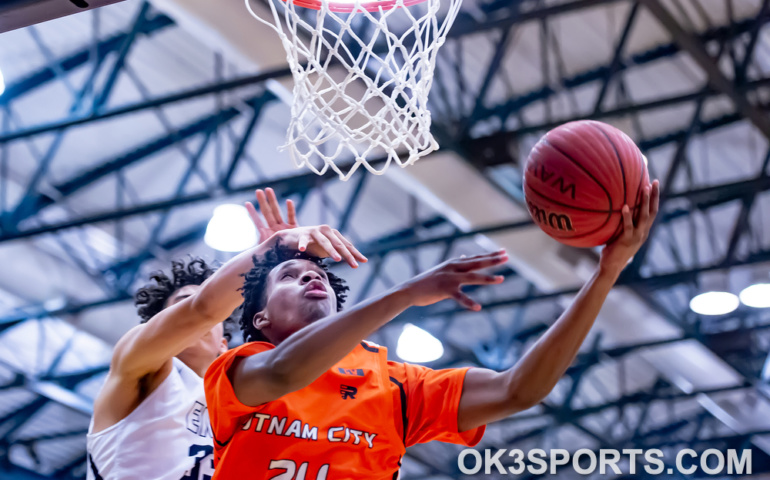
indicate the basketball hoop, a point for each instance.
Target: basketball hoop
{"x":362,"y":72}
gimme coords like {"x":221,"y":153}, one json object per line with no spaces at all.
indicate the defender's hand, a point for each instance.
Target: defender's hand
{"x":270,"y":209}
{"x":322,"y":241}
{"x":446,"y":280}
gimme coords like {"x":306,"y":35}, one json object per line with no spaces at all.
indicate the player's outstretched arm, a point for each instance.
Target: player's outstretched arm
{"x":305,"y":355}
{"x":489,"y":396}
{"x":146,"y":348}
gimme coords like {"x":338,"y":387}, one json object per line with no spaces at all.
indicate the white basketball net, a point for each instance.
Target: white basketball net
{"x":361,"y":81}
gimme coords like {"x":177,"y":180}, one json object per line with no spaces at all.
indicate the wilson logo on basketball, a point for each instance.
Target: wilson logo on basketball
{"x":557,"y":221}
{"x":552,"y":179}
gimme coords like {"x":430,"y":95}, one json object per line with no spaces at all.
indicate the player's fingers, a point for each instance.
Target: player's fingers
{"x":255,"y":216}
{"x":325,"y":244}
{"x":275,"y":207}
{"x":352,"y":248}
{"x":466,"y":301}
{"x":465,"y":259}
{"x":628,"y":222}
{"x":340,"y":247}
{"x":291,"y":213}
{"x":655,"y":197}
{"x":486,"y":261}
{"x":264,"y":207}
{"x":480,"y":279}
{"x":303,"y":242}
{"x":644,"y":216}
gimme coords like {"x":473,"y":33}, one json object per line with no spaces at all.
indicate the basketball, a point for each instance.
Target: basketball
{"x":577,"y":179}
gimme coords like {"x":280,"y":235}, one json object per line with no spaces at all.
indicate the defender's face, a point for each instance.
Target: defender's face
{"x":181,"y":294}
{"x":212,"y":343}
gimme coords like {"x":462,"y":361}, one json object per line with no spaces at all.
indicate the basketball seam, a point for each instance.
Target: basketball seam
{"x":609,"y":198}
{"x":620,"y":161}
{"x":638,"y":205}
{"x":584,"y":234}
{"x":579,"y":209}
{"x":639,"y":188}
{"x":614,"y":236}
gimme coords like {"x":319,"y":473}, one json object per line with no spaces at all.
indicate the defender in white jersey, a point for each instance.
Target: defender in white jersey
{"x":168,"y":435}
{"x":150,"y":418}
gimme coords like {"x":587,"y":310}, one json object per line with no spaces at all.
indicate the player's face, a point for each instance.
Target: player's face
{"x":212,"y":343}
{"x":298,"y":293}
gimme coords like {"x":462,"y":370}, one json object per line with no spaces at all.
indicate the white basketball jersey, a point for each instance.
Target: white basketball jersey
{"x":167,"y":437}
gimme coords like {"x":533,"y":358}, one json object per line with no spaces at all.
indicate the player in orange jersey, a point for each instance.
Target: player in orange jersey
{"x":308,"y":399}
{"x":150,"y":418}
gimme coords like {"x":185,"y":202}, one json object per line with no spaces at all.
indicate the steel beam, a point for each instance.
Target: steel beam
{"x":15,"y":472}
{"x":16,"y":419}
{"x":32,"y":204}
{"x":283,"y":187}
{"x":73,"y":379}
{"x":704,"y":197}
{"x":466,"y":25}
{"x":616,"y":58}
{"x":125,"y":48}
{"x":693,"y":46}
{"x":57,"y":389}
{"x":722,"y":34}
{"x":680,"y":157}
{"x":82,"y":57}
{"x":742,"y":222}
{"x":644,"y":144}
{"x":240,"y":82}
{"x":133,"y":264}
{"x":257,"y":105}
{"x":62,"y":396}
{"x":503,"y":44}
{"x":627,"y":278}
{"x":638,"y":108}
{"x":701,"y":198}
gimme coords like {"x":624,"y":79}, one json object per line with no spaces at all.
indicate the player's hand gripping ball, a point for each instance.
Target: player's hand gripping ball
{"x":577,"y":179}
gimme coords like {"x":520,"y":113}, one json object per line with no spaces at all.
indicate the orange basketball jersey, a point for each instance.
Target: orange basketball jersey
{"x":353,"y":422}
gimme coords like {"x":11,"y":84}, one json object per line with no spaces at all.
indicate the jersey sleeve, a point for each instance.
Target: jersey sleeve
{"x":429,"y":401}
{"x":225,"y":410}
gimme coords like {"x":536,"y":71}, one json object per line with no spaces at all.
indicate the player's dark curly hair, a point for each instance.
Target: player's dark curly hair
{"x":152,"y":298}
{"x":255,"y":286}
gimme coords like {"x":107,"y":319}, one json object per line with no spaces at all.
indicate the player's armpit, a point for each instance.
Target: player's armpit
{"x":488,"y":396}
{"x":147,"y":347}
{"x":122,"y":364}
{"x":121,"y":395}
{"x":432,"y":399}
{"x":255,"y":381}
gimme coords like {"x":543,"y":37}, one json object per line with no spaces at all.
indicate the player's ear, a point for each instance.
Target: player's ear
{"x":260,"y":320}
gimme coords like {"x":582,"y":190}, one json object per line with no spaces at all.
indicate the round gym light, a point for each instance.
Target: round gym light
{"x":418,"y":346}
{"x":714,"y":303}
{"x":756,"y":296}
{"x":230,"y":229}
